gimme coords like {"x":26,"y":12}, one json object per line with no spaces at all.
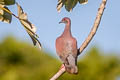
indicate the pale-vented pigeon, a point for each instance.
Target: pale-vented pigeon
{"x":66,"y":48}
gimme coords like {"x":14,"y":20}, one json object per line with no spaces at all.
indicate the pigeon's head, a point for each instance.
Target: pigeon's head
{"x":65,"y":20}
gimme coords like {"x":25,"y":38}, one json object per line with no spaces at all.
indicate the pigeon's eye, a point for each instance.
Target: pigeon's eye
{"x":64,"y":19}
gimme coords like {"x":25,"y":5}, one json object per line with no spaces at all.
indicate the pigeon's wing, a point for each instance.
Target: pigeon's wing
{"x":60,"y":49}
{"x":71,"y":58}
{"x":74,"y":47}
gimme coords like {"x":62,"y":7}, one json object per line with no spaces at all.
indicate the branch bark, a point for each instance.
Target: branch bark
{"x":94,"y":28}
{"x":88,"y":39}
{"x":59,"y":73}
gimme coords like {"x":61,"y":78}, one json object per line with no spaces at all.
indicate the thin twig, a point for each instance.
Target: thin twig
{"x":9,"y":12}
{"x":88,"y":39}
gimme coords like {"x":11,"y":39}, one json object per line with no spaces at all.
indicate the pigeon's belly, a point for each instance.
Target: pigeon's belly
{"x":68,"y":46}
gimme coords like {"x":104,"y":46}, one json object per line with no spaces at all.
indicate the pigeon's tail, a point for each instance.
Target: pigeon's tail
{"x":72,"y":69}
{"x":71,"y":66}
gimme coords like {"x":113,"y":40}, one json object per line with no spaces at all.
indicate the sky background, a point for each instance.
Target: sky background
{"x":43,"y":14}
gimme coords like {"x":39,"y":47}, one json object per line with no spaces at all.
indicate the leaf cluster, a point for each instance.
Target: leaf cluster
{"x":69,"y":4}
{"x":6,"y":16}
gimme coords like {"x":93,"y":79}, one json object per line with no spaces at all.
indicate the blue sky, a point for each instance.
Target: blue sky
{"x":44,"y":16}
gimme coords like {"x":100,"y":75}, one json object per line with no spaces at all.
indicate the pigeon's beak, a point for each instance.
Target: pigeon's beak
{"x":61,"y":22}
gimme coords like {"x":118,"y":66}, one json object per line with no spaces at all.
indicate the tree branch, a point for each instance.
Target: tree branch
{"x":94,"y":28}
{"x":88,"y":39}
{"x":59,"y":73}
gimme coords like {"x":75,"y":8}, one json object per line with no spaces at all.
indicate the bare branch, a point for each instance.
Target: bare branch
{"x":59,"y":73}
{"x":94,"y":28}
{"x":88,"y":39}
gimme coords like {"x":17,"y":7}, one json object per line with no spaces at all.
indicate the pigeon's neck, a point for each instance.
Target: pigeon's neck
{"x":67,"y":30}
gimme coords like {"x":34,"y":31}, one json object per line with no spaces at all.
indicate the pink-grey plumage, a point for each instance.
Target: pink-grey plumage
{"x":66,"y":48}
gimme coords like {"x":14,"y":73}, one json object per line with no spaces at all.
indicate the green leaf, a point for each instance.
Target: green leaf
{"x":60,"y":4}
{"x":30,"y":28}
{"x":24,"y":20}
{"x":7,"y":2}
{"x":68,"y":5}
{"x":5,"y":16}
{"x":83,"y":1}
{"x":74,"y":3}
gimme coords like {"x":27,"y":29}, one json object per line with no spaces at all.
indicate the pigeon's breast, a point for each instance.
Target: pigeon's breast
{"x":68,"y":46}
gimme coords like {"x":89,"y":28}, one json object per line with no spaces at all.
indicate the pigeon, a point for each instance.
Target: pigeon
{"x":66,"y":48}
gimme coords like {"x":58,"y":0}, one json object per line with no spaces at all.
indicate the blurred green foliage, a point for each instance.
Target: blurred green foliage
{"x":21,"y":61}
